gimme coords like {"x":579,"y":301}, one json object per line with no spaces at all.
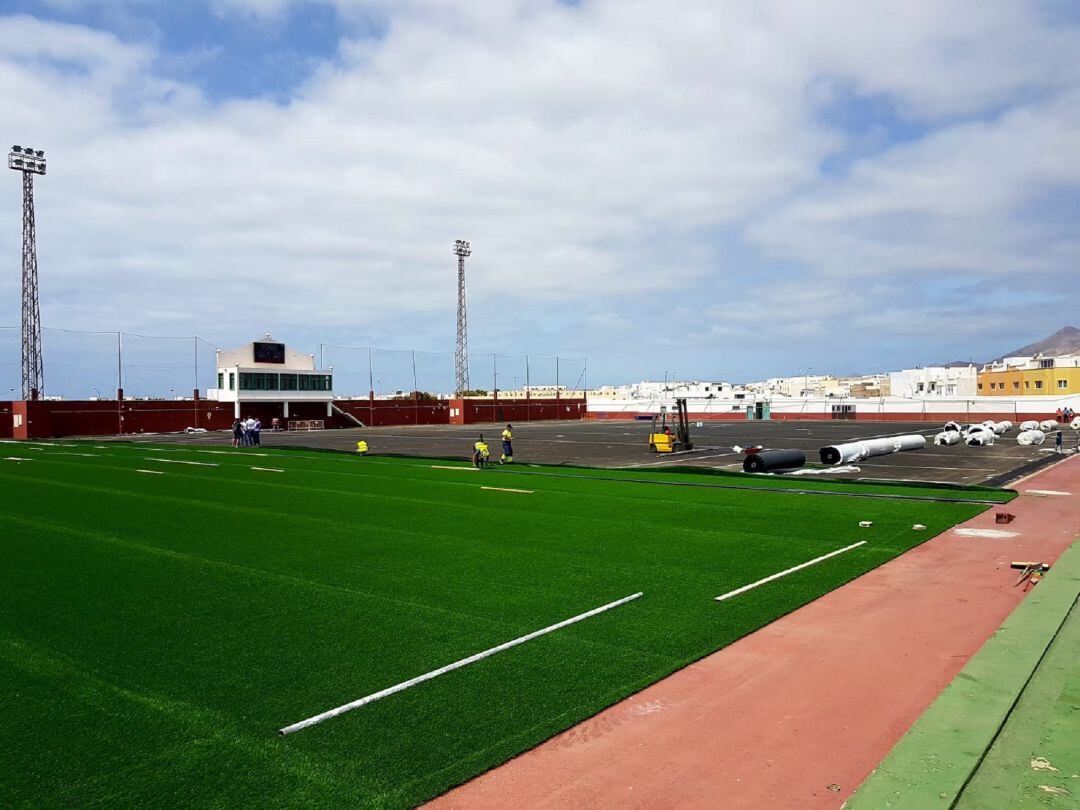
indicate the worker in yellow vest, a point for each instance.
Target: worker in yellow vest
{"x":361,"y":447}
{"x":480,"y":453}
{"x":508,"y":448}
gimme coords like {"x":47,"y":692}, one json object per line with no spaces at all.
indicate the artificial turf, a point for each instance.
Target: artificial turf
{"x":155,"y":630}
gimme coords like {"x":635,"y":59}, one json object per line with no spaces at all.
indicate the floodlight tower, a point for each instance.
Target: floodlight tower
{"x":461,"y":351}
{"x":29,"y":162}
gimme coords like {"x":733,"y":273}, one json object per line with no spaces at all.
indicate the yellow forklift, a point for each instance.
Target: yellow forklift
{"x":661,"y":437}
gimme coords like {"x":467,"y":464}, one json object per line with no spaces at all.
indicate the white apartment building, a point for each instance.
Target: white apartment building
{"x":934,"y":381}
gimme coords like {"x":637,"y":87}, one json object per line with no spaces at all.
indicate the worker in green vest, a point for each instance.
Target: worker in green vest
{"x":508,"y":448}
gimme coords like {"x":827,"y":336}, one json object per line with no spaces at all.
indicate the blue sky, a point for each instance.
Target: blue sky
{"x":730,"y":195}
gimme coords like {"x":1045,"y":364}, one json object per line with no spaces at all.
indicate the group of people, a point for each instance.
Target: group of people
{"x":481,"y":452}
{"x":245,"y":432}
{"x":1065,"y":415}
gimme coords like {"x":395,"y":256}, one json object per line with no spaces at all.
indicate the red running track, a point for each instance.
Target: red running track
{"x":797,"y":714}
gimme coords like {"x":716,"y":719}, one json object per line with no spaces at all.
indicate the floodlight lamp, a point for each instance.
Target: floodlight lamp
{"x":16,"y":148}
{"x":41,"y":153}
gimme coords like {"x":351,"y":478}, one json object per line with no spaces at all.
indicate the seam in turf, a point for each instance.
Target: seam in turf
{"x":1012,"y":707}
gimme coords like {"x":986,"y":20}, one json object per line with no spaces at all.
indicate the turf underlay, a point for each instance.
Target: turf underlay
{"x":156,"y":630}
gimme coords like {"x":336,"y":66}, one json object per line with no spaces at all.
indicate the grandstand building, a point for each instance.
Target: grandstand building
{"x":268,"y":373}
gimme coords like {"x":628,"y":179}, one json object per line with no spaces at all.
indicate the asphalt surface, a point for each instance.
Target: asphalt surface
{"x":625,"y":444}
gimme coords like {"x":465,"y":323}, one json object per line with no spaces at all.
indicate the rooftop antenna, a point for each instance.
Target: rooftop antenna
{"x":461,"y":350}
{"x":29,"y":162}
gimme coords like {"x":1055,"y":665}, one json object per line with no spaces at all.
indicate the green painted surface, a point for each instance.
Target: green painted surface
{"x":930,"y":766}
{"x":155,"y":630}
{"x":1035,"y":761}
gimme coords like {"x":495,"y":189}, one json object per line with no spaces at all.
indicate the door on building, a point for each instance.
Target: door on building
{"x":843,"y":411}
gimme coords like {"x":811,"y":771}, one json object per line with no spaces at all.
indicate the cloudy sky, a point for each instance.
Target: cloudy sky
{"x":726,"y":190}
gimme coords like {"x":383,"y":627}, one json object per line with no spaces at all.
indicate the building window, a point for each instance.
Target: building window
{"x":1038,"y":384}
{"x":1048,"y":363}
{"x":232,"y":381}
{"x":1063,"y":384}
{"x":1027,"y":383}
{"x":980,"y":386}
{"x":1016,"y":386}
{"x":220,"y":380}
{"x":258,"y":381}
{"x":314,"y":382}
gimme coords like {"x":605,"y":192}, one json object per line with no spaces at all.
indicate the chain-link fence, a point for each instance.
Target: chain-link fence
{"x":83,"y":364}
{"x":87,"y":364}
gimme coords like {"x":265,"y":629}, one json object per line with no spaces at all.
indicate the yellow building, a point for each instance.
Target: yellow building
{"x":1031,"y":377}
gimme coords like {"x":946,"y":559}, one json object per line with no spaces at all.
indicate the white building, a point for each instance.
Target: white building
{"x":268,"y":372}
{"x":934,"y":381}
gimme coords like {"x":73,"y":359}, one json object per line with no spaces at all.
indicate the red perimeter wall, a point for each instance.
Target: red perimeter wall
{"x":55,"y":418}
{"x":735,"y":416}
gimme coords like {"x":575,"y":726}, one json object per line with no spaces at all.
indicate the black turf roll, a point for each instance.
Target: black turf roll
{"x":768,"y":460}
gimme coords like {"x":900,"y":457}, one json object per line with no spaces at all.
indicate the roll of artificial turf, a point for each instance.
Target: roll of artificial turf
{"x":857,"y":451}
{"x":770,"y":460}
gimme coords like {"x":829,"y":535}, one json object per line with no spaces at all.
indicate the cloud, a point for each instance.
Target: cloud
{"x":629,"y":177}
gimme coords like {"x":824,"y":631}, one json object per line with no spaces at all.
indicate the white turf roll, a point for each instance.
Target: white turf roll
{"x":947,"y":438}
{"x":1031,"y":437}
{"x":980,"y":438}
{"x":1030,"y":424}
{"x":1046,"y":425}
{"x":857,"y":451}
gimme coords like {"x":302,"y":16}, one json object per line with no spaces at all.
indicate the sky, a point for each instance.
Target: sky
{"x":726,"y":190}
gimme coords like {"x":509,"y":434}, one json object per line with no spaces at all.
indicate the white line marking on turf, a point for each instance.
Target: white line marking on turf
{"x":232,"y":453}
{"x":150,"y":472}
{"x":997,"y":534}
{"x":791,"y":570}
{"x":16,"y":458}
{"x":1045,"y":492}
{"x":267,"y":469}
{"x":508,"y":489}
{"x":180,"y":461}
{"x":447,"y":467}
{"x":401,"y":687}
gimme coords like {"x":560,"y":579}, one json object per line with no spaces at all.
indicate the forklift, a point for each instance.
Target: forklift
{"x":661,"y":439}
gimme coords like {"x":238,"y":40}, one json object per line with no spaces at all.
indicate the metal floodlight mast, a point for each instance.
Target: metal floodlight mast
{"x":461,"y":350}
{"x":29,"y":162}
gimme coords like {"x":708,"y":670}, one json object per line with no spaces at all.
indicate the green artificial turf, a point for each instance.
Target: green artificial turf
{"x":155,"y":630}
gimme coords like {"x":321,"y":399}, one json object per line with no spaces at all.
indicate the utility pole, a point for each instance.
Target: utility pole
{"x":29,"y":162}
{"x":461,"y":350}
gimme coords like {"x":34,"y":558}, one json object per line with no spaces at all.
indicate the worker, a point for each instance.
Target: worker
{"x":508,"y":447}
{"x":480,"y":453}
{"x":361,"y":447}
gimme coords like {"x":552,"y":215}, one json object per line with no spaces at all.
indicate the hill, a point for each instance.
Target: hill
{"x":1064,"y":341}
